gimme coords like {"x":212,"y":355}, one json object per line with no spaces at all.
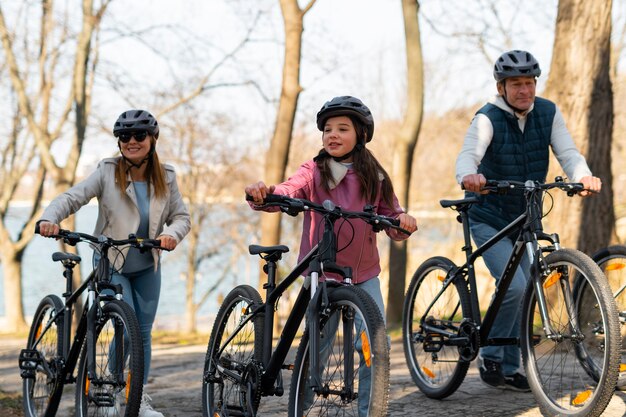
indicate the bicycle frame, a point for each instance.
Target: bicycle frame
{"x":312,"y":297}
{"x":528,"y":234}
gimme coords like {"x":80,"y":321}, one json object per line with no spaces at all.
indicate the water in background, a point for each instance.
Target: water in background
{"x":42,"y":276}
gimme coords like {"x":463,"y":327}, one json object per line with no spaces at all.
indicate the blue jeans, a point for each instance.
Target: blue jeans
{"x":141,"y":291}
{"x":372,"y":287}
{"x":507,"y":322}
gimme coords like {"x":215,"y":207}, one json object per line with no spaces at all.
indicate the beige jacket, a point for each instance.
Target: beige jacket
{"x":118,"y":214}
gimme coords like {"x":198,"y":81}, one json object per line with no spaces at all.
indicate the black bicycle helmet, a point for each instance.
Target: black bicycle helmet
{"x":132,"y":120}
{"x":346,"y":106}
{"x":516,"y":64}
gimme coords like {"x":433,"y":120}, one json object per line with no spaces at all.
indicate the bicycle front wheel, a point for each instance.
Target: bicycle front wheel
{"x":231,"y":367}
{"x":571,"y":360}
{"x":612,"y":261}
{"x":117,"y":383}
{"x":435,"y":364}
{"x":42,"y":384}
{"x":366,"y":364}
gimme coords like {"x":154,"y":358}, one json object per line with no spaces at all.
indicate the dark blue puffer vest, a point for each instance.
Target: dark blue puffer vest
{"x":513,"y":155}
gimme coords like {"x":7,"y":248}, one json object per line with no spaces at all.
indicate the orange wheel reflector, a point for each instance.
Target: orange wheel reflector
{"x":552,"y":279}
{"x":622,"y":367}
{"x":39,"y":329}
{"x":581,"y":398}
{"x":87,"y":383}
{"x":128,"y":378}
{"x":243,"y":310}
{"x":615,"y":266}
{"x":367,"y":352}
{"x":441,"y":277}
{"x":428,"y":372}
{"x":216,"y":414}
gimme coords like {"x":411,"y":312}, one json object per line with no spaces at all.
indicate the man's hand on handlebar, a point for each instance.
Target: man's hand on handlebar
{"x":592,"y":185}
{"x":474,"y":183}
{"x":258,"y":191}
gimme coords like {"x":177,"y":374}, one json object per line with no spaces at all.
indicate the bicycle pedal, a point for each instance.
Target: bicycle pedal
{"x":433,"y":342}
{"x":29,"y":359}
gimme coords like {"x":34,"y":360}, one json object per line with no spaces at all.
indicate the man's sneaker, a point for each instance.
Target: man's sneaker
{"x":516,"y":382}
{"x":491,"y":373}
{"x":145,"y":409}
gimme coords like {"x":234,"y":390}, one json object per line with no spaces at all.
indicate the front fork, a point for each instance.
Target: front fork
{"x":541,"y":276}
{"x":318,"y":311}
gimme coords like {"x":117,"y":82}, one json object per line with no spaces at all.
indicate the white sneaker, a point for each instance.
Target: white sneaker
{"x":145,"y":409}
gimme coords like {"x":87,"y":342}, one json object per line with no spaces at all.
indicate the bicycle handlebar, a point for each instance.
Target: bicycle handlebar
{"x":293,"y":206}
{"x":504,"y":186}
{"x":72,"y":238}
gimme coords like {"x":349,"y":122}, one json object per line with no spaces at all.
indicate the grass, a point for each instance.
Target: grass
{"x":10,"y":404}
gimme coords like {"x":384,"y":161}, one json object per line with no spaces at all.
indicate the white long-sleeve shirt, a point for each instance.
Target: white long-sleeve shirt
{"x":480,"y":133}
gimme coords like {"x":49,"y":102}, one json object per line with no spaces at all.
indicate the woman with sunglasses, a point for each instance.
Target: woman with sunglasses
{"x":136,"y":194}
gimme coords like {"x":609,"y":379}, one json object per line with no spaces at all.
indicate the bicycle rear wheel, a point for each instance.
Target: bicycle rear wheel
{"x":435,"y":365}
{"x":42,"y":384}
{"x":586,"y":336}
{"x":115,"y":389}
{"x":231,"y":367}
{"x":612,"y":261}
{"x":350,"y":309}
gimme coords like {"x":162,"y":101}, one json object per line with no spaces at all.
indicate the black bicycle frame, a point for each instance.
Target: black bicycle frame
{"x":87,"y":323}
{"x":312,"y":299}
{"x":528,"y":231}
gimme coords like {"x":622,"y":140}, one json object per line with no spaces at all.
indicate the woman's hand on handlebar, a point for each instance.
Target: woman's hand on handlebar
{"x":258,"y":191}
{"x":48,"y":229}
{"x":592,"y":185}
{"x":167,"y":242}
{"x":407,"y":222}
{"x":474,"y":183}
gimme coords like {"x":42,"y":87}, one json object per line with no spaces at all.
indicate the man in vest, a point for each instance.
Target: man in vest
{"x":509,"y":139}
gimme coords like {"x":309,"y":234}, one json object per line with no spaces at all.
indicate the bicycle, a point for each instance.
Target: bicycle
{"x":344,"y":336}
{"x":569,"y":337}
{"x":612,"y":261}
{"x":107,"y":344}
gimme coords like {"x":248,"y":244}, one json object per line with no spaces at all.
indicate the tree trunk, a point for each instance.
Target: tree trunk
{"x":191,"y":324}
{"x":12,"y":271}
{"x":278,"y":152}
{"x":580,"y":85}
{"x":406,"y":141}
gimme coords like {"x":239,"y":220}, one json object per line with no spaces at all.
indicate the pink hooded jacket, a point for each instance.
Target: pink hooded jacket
{"x":362,"y":253}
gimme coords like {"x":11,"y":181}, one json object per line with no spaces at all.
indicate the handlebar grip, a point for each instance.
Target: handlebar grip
{"x":269,"y":198}
{"x":37,"y":228}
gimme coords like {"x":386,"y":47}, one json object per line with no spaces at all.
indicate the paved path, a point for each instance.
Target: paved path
{"x":176,"y":389}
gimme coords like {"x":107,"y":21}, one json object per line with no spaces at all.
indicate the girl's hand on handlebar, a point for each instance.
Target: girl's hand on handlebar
{"x":48,"y":229}
{"x":592,"y":185}
{"x":167,"y":242}
{"x":474,"y":183}
{"x":407,"y":222}
{"x":258,"y":191}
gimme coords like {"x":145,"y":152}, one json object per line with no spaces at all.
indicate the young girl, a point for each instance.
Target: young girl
{"x":136,"y":194}
{"x":346,"y":173}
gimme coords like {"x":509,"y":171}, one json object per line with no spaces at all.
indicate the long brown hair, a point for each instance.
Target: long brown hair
{"x":155,"y":173}
{"x":365,"y":165}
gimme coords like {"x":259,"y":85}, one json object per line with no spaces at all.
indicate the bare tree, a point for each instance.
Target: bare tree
{"x":278,"y":152}
{"x":209,"y":170}
{"x":404,"y":147}
{"x":580,"y":84}
{"x":43,"y":122}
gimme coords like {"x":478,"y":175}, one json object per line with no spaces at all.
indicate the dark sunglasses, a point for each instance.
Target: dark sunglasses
{"x":139,"y":136}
